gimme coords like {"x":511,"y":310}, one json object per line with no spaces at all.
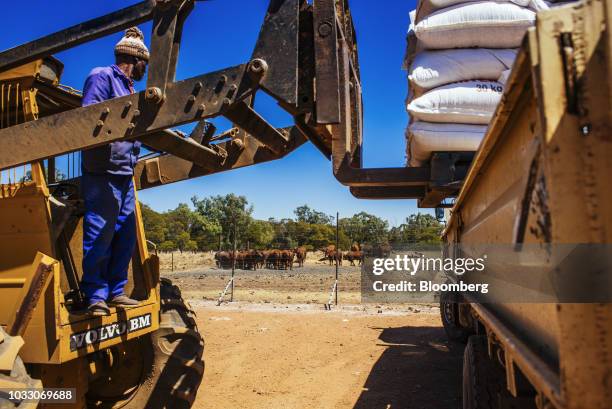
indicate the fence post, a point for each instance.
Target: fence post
{"x":337,"y":251}
{"x":233,"y":263}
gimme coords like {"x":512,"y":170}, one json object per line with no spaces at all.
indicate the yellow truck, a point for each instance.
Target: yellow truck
{"x":542,"y":176}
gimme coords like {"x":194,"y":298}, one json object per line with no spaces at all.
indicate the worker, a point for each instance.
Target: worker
{"x":109,"y":224}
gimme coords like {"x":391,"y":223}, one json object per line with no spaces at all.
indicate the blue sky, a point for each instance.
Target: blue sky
{"x":222,"y":33}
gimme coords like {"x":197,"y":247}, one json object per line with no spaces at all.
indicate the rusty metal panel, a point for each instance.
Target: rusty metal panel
{"x":162,"y":45}
{"x":327,"y":64}
{"x":244,"y":150}
{"x":388,"y":192}
{"x":121,"y":118}
{"x":78,"y":34}
{"x":165,"y":41}
{"x":246,"y":118}
{"x":277,"y":45}
{"x":184,"y":148}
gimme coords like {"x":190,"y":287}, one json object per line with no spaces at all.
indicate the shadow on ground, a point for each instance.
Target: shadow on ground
{"x":420,"y":369}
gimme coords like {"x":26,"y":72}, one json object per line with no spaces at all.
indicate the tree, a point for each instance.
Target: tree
{"x":167,"y":246}
{"x":205,"y":232}
{"x":307,"y":215}
{"x":321,"y":235}
{"x":184,"y":243}
{"x":418,"y":229}
{"x":260,"y":234}
{"x":282,"y":234}
{"x":154,"y":225}
{"x":365,"y":228}
{"x":179,"y":223}
{"x":226,"y":210}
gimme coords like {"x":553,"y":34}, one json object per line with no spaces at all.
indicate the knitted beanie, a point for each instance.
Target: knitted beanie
{"x":133,"y":44}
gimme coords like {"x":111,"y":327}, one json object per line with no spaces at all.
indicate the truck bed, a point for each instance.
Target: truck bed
{"x":542,"y":175}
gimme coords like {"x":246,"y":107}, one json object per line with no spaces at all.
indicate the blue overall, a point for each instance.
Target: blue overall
{"x":109,"y":224}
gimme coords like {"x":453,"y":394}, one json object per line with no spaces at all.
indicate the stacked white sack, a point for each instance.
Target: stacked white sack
{"x":427,"y":137}
{"x":427,"y":7}
{"x":466,"y":102}
{"x":484,"y":24}
{"x":432,"y":69}
{"x":455,"y":88}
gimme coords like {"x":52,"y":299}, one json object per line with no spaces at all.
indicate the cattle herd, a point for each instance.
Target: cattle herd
{"x":254,"y":259}
{"x":283,"y":259}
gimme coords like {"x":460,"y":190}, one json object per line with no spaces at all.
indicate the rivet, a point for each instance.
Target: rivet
{"x":154,"y":94}
{"x":325,"y":29}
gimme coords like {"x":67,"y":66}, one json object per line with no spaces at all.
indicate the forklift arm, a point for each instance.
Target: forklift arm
{"x":305,"y":58}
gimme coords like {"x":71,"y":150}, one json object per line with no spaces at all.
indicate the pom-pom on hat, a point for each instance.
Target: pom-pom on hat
{"x":133,"y":44}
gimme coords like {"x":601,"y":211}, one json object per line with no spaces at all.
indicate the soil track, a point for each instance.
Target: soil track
{"x":277,"y":348}
{"x":300,"y":356}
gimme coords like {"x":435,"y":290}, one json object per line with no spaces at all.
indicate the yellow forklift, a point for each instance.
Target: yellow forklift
{"x":149,"y":353}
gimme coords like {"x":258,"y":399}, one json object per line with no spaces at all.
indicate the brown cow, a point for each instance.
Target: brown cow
{"x":300,"y":255}
{"x":223,"y":259}
{"x":240,"y":258}
{"x":286,"y":259}
{"x":266,"y":255}
{"x":253,"y":259}
{"x":353,"y":256}
{"x":332,"y":255}
{"x":273,"y":259}
{"x":279,"y":259}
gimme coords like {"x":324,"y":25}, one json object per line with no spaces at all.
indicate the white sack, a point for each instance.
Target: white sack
{"x":432,"y":69}
{"x":468,"y":102}
{"x":426,"y":7}
{"x":425,"y":138}
{"x":479,"y":24}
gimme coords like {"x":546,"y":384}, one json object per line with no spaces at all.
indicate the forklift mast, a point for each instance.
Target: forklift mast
{"x":305,"y":58}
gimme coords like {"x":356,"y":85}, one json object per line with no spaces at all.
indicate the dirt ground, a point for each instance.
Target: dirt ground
{"x":276,"y":347}
{"x":300,"y":356}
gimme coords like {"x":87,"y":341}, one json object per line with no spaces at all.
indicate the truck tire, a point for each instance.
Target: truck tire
{"x":484,"y":380}
{"x":450,"y":320}
{"x":166,"y":367}
{"x":18,"y":374}
{"x":481,"y":383}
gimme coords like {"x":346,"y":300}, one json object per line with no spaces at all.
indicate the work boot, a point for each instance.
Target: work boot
{"x":123,"y":301}
{"x":98,"y":309}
